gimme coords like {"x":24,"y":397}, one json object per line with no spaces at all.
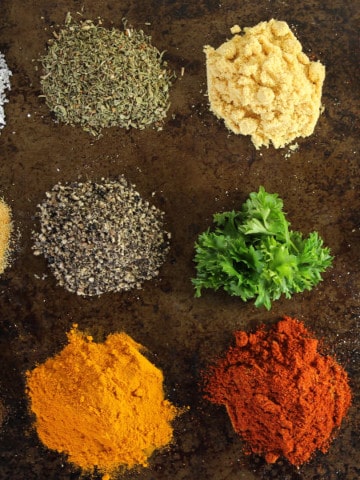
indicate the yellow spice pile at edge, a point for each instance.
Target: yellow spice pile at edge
{"x":5,"y":232}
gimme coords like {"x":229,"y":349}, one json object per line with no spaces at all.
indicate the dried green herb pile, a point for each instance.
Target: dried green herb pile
{"x":100,"y":237}
{"x":97,"y":77}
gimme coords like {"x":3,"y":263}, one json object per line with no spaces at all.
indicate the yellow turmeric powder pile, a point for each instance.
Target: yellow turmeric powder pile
{"x":102,"y":404}
{"x":5,"y":232}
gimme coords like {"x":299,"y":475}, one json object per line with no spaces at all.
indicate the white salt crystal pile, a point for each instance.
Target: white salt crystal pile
{"x":5,"y":74}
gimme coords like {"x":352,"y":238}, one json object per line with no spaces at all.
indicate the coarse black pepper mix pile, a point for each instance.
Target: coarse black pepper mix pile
{"x":100,"y":237}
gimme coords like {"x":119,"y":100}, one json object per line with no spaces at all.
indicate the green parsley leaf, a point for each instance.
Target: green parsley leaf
{"x":253,"y":253}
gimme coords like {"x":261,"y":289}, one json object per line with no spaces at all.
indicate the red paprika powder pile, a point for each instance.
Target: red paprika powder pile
{"x":282,"y":395}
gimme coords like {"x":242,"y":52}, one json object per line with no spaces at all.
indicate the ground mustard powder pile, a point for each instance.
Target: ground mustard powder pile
{"x":102,"y":404}
{"x":5,"y":233}
{"x":262,"y":84}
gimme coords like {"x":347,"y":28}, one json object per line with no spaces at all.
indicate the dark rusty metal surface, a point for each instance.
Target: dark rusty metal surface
{"x":195,"y":167}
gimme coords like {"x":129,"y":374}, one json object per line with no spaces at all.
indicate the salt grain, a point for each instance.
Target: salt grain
{"x":5,"y":74}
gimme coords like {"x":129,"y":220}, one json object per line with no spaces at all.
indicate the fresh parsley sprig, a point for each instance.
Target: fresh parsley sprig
{"x":253,"y":253}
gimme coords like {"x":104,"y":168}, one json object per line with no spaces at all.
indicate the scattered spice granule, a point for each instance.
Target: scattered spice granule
{"x":5,"y":234}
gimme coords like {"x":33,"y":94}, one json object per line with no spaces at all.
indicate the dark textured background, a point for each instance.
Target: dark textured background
{"x":195,"y":167}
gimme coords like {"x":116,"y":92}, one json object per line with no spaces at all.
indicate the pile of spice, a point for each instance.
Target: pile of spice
{"x":283,"y":396}
{"x":5,"y":74}
{"x":5,"y":234}
{"x":96,"y":77}
{"x":263,"y":85}
{"x":100,"y":237}
{"x":102,"y":404}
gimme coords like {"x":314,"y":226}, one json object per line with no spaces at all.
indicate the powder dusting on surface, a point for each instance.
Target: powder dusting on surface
{"x":262,"y":84}
{"x":102,"y":404}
